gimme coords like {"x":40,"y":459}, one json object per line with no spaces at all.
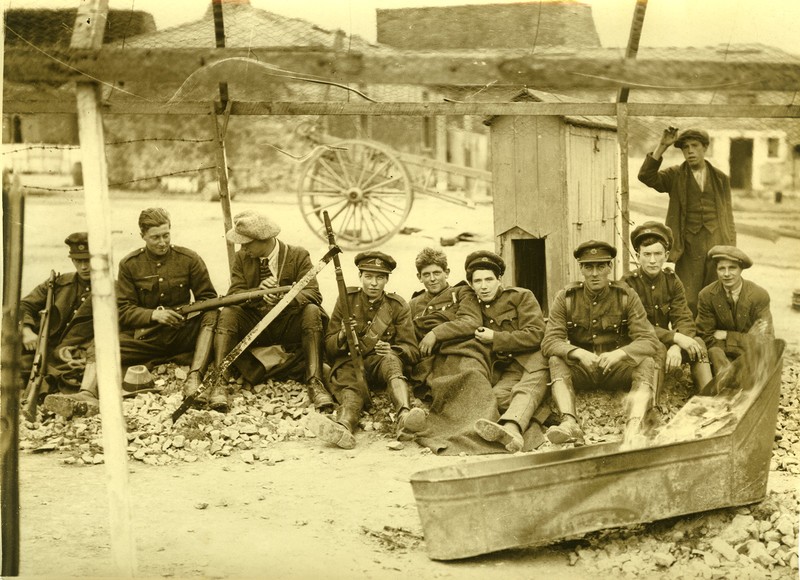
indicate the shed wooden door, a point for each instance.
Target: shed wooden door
{"x":591,"y":186}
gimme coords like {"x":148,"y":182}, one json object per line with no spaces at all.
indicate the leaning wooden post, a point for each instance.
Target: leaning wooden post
{"x":88,"y":34}
{"x":221,"y":160}
{"x":624,"y":184}
{"x":622,"y":132}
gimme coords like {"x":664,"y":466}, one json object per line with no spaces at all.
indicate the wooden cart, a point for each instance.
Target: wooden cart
{"x":368,"y":189}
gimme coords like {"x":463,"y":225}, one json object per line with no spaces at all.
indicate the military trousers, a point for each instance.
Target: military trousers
{"x":621,"y":376}
{"x":380,"y":369}
{"x":519,"y":392}
{"x":164,"y":343}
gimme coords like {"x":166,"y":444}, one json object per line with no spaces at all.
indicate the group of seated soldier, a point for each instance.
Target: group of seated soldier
{"x":600,"y":333}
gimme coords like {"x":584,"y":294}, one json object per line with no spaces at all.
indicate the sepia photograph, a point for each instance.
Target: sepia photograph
{"x":390,"y":289}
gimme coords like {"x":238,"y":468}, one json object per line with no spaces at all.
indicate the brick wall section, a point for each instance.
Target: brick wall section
{"x":488,"y":26}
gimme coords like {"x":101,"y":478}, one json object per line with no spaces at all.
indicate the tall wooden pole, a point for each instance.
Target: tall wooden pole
{"x":13,"y":218}
{"x":88,"y":34}
{"x":622,"y":135}
{"x":221,"y":155}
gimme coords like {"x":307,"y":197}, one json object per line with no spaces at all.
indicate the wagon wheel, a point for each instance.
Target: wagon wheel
{"x":365,"y":188}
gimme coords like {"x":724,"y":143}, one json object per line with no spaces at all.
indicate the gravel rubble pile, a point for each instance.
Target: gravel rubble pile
{"x":758,"y":541}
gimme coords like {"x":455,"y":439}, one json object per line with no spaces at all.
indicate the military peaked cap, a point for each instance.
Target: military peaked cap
{"x":652,"y":228}
{"x":375,"y":261}
{"x":78,"y":245}
{"x":485,"y":260}
{"x":594,"y":251}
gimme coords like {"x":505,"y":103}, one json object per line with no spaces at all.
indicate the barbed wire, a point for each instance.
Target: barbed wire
{"x":63,"y":147}
{"x":127,"y":182}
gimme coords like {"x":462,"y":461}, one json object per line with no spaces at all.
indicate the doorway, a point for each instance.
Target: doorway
{"x":530,"y":267}
{"x":741,"y":161}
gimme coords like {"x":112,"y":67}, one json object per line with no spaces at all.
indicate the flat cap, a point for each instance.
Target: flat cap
{"x":78,"y":245}
{"x":652,"y":229}
{"x":696,"y":134}
{"x":375,"y":261}
{"x":485,"y":260}
{"x":249,"y":225}
{"x":730,"y":253}
{"x":594,"y":251}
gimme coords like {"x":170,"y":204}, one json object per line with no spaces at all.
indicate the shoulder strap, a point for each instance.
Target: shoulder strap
{"x":569,"y":298}
{"x":376,"y":327}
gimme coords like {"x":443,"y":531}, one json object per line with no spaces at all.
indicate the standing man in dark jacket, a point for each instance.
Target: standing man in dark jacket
{"x":732,"y":309}
{"x":388,"y":346}
{"x":265,"y":262}
{"x":598,"y":336}
{"x":513,"y":327}
{"x":664,"y":300}
{"x":700,"y":211}
{"x":70,"y":317}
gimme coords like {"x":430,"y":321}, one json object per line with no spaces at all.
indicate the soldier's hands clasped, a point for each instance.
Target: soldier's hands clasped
{"x":167,"y":317}
{"x":383,"y":348}
{"x":484,"y":335}
{"x":608,"y":360}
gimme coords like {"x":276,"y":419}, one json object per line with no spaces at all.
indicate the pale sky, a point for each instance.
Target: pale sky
{"x":667,"y":22}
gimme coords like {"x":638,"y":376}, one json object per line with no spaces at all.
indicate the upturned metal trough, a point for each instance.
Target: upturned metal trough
{"x":714,"y":453}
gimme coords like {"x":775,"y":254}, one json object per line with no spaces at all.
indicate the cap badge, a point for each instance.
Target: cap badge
{"x":378,"y":262}
{"x":593,"y":251}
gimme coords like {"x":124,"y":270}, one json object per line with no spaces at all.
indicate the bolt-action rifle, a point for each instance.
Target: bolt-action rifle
{"x":191,"y":310}
{"x":33,"y":390}
{"x":348,"y":320}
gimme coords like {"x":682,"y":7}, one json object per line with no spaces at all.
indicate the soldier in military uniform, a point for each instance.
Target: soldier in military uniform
{"x":664,"y":300}
{"x":264,"y":262}
{"x":386,"y":334}
{"x":70,"y":319}
{"x":732,"y":310}
{"x":512,"y":327}
{"x":598,"y":336}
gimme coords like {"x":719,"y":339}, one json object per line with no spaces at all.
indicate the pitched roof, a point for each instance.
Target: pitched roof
{"x":246,"y":26}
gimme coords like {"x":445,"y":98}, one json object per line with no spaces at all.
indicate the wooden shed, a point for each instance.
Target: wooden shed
{"x":555,"y":186}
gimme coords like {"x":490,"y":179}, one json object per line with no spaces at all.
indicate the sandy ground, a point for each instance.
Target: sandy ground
{"x":316,"y":512}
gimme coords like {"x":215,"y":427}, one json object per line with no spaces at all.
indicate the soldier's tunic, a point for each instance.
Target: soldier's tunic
{"x":715,"y":312}
{"x":388,"y":318}
{"x":664,"y":301}
{"x":147,"y":282}
{"x":600,"y":322}
{"x":520,"y":371}
{"x":70,"y":322}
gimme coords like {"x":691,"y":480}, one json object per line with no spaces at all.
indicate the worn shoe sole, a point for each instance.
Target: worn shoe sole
{"x":330,"y":431}
{"x":559,"y":436}
{"x":413,"y":421}
{"x":69,"y":407}
{"x":490,"y":431}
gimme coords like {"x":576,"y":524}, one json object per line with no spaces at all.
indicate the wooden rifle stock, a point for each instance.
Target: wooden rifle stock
{"x":195,"y":308}
{"x":33,"y":390}
{"x":348,"y":320}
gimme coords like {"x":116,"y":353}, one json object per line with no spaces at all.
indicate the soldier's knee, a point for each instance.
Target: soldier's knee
{"x":558,"y":367}
{"x":311,"y":317}
{"x":210,"y":318}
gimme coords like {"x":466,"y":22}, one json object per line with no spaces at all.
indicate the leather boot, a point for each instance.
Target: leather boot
{"x":408,"y":419}
{"x":218,"y":393}
{"x":339,"y":432}
{"x":312,"y":352}
{"x":702,"y":376}
{"x":202,"y":354}
{"x":637,"y":403}
{"x":568,"y":431}
{"x":84,"y":403}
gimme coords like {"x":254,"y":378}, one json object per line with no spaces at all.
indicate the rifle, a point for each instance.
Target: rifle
{"x":348,"y":320}
{"x":212,"y":377}
{"x":33,"y":390}
{"x":195,"y":308}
